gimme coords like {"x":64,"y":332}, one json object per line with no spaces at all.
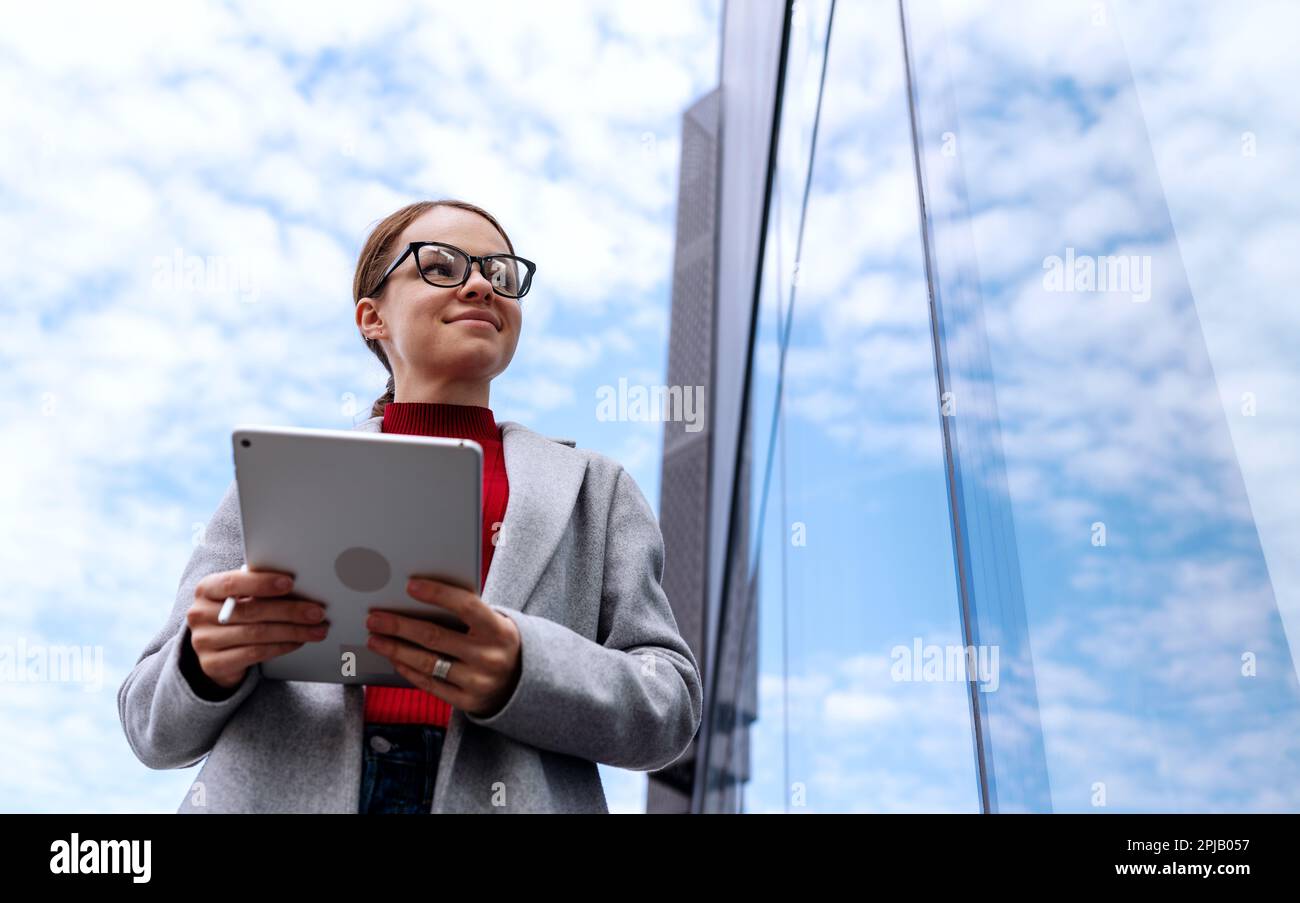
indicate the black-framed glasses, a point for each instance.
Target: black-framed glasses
{"x":447,"y":266}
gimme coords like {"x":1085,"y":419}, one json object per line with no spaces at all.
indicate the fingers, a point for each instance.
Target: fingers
{"x":422,"y":633}
{"x":419,"y":660}
{"x":258,"y":633}
{"x":236,"y":659}
{"x":218,"y":587}
{"x":452,"y":695}
{"x":467,"y":606}
{"x":251,"y":609}
{"x":257,"y":622}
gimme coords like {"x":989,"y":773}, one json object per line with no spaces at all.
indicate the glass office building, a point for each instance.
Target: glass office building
{"x":997,"y":506}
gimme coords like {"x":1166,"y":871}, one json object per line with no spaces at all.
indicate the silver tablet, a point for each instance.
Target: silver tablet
{"x":352,"y":516}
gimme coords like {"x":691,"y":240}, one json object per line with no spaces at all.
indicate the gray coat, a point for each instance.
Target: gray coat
{"x":606,"y":676}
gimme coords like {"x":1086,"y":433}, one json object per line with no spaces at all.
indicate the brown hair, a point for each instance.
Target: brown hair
{"x":378,"y":252}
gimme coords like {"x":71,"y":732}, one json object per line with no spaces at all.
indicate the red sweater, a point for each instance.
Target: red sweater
{"x":461,"y":421}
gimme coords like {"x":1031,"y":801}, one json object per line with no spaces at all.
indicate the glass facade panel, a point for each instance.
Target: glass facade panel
{"x":1016,"y":466}
{"x":1101,"y":505}
{"x":852,"y":586}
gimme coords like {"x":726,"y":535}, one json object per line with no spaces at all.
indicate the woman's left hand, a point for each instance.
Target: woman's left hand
{"x":486,"y":661}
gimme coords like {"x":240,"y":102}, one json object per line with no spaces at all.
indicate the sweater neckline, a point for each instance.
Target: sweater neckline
{"x":436,"y":418}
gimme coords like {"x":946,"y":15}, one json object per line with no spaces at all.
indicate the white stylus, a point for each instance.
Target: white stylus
{"x":228,"y":608}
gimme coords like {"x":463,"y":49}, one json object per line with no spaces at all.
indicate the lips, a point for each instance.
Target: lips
{"x":477,"y":315}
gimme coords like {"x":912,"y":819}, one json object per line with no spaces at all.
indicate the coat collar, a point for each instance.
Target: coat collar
{"x":545,"y":477}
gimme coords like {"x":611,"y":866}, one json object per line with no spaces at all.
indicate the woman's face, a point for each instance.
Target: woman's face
{"x":428,"y":347}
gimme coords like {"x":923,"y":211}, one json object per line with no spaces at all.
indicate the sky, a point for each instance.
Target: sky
{"x":252,"y":146}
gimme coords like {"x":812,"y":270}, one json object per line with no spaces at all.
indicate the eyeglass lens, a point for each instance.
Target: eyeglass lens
{"x":445,"y":266}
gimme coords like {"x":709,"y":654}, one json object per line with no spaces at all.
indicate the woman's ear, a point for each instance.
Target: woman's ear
{"x":368,"y":319}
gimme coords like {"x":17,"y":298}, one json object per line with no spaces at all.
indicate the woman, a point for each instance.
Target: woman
{"x":573,"y":656}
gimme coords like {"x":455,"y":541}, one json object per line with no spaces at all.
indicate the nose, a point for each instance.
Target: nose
{"x":477,"y":285}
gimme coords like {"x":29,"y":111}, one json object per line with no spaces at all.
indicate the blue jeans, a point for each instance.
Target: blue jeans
{"x":400,"y":765}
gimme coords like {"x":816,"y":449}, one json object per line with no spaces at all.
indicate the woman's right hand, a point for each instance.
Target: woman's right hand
{"x":267,"y":622}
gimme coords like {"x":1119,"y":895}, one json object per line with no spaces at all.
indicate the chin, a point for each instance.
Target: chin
{"x":469,"y":358}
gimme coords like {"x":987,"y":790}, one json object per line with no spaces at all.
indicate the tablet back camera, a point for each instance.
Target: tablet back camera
{"x":362,"y":569}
